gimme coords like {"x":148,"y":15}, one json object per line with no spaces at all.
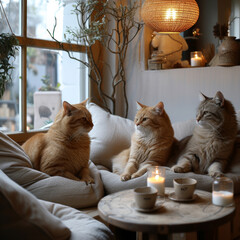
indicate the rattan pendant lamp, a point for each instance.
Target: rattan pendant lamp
{"x":170,"y":15}
{"x":167,"y":18}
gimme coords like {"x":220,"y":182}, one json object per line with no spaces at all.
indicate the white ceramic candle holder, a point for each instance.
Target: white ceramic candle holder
{"x":156,"y":179}
{"x":222,"y":191}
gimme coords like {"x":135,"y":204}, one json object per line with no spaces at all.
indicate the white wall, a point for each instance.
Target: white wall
{"x":177,"y":88}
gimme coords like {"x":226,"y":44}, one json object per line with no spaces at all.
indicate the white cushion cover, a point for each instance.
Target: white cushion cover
{"x":28,"y":209}
{"x":109,"y":136}
{"x":23,"y":216}
{"x":82,"y":226}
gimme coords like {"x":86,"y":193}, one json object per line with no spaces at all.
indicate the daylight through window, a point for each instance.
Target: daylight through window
{"x":44,"y":76}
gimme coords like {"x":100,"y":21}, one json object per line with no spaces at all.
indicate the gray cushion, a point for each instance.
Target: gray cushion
{"x":82,"y":226}
{"x":112,"y":182}
{"x":23,"y":216}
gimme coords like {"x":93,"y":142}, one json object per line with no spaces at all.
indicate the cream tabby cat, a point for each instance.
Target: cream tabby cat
{"x":150,"y":144}
{"x":64,"y":150}
{"x":209,"y":148}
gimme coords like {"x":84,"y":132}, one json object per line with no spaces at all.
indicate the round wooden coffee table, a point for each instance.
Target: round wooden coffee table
{"x":199,"y":215}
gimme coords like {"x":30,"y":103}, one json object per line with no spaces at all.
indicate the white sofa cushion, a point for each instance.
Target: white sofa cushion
{"x":183,"y":129}
{"x":113,"y":183}
{"x":24,"y":216}
{"x":82,"y":226}
{"x":109,"y":136}
{"x":16,"y":164}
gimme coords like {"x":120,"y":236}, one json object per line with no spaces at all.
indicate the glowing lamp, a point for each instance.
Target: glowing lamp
{"x":167,"y":18}
{"x":170,"y":15}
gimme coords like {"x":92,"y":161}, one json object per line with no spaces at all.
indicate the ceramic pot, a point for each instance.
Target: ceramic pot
{"x":229,"y":52}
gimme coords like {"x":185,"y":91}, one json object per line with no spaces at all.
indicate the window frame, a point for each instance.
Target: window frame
{"x":24,"y":43}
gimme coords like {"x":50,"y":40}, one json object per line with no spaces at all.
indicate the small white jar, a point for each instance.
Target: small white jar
{"x":222,"y":191}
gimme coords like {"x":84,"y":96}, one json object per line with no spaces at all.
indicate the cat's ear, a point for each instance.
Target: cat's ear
{"x":140,"y":106}
{"x":68,"y":108}
{"x":84,"y":102}
{"x":202,"y":97}
{"x":159,"y":108}
{"x":219,"y":99}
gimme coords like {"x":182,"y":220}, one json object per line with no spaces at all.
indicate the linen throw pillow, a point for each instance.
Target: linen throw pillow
{"x":109,"y":136}
{"x":26,"y":215}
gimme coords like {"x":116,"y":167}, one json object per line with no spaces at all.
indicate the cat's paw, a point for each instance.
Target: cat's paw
{"x":177,"y":169}
{"x":135,"y":175}
{"x":88,"y":180}
{"x":215,"y":174}
{"x":125,"y":177}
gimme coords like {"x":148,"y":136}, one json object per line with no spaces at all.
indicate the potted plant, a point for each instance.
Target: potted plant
{"x":8,"y":48}
{"x":47,"y":103}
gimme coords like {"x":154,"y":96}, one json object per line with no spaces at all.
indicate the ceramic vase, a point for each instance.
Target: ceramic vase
{"x":229,"y":52}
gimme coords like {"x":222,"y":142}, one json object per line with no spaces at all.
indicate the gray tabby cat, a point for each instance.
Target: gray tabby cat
{"x":209,"y":148}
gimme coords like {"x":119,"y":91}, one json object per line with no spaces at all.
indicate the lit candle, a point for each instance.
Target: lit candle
{"x":222,"y":198}
{"x":156,"y":179}
{"x":196,"y":59}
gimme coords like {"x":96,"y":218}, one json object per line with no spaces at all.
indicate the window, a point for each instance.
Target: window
{"x":235,"y":19}
{"x":40,"y":65}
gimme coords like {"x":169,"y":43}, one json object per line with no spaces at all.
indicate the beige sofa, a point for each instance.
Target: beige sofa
{"x":110,"y":135}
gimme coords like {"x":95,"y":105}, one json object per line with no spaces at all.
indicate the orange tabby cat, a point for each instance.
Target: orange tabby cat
{"x":150,"y":144}
{"x":64,"y":150}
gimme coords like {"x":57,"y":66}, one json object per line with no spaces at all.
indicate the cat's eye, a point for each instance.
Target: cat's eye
{"x":205,"y":112}
{"x":84,"y":119}
{"x":144,"y":119}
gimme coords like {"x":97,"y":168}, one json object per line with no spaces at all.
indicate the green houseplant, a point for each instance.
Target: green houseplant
{"x":47,"y":103}
{"x":8,"y":48}
{"x":47,"y":86}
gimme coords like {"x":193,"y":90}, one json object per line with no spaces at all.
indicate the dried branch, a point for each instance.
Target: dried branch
{"x":94,"y":18}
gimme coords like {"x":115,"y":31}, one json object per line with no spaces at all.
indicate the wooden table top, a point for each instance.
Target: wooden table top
{"x":172,"y":217}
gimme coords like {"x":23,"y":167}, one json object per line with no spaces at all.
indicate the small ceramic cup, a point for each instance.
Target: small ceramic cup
{"x":184,"y":187}
{"x":145,"y":197}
